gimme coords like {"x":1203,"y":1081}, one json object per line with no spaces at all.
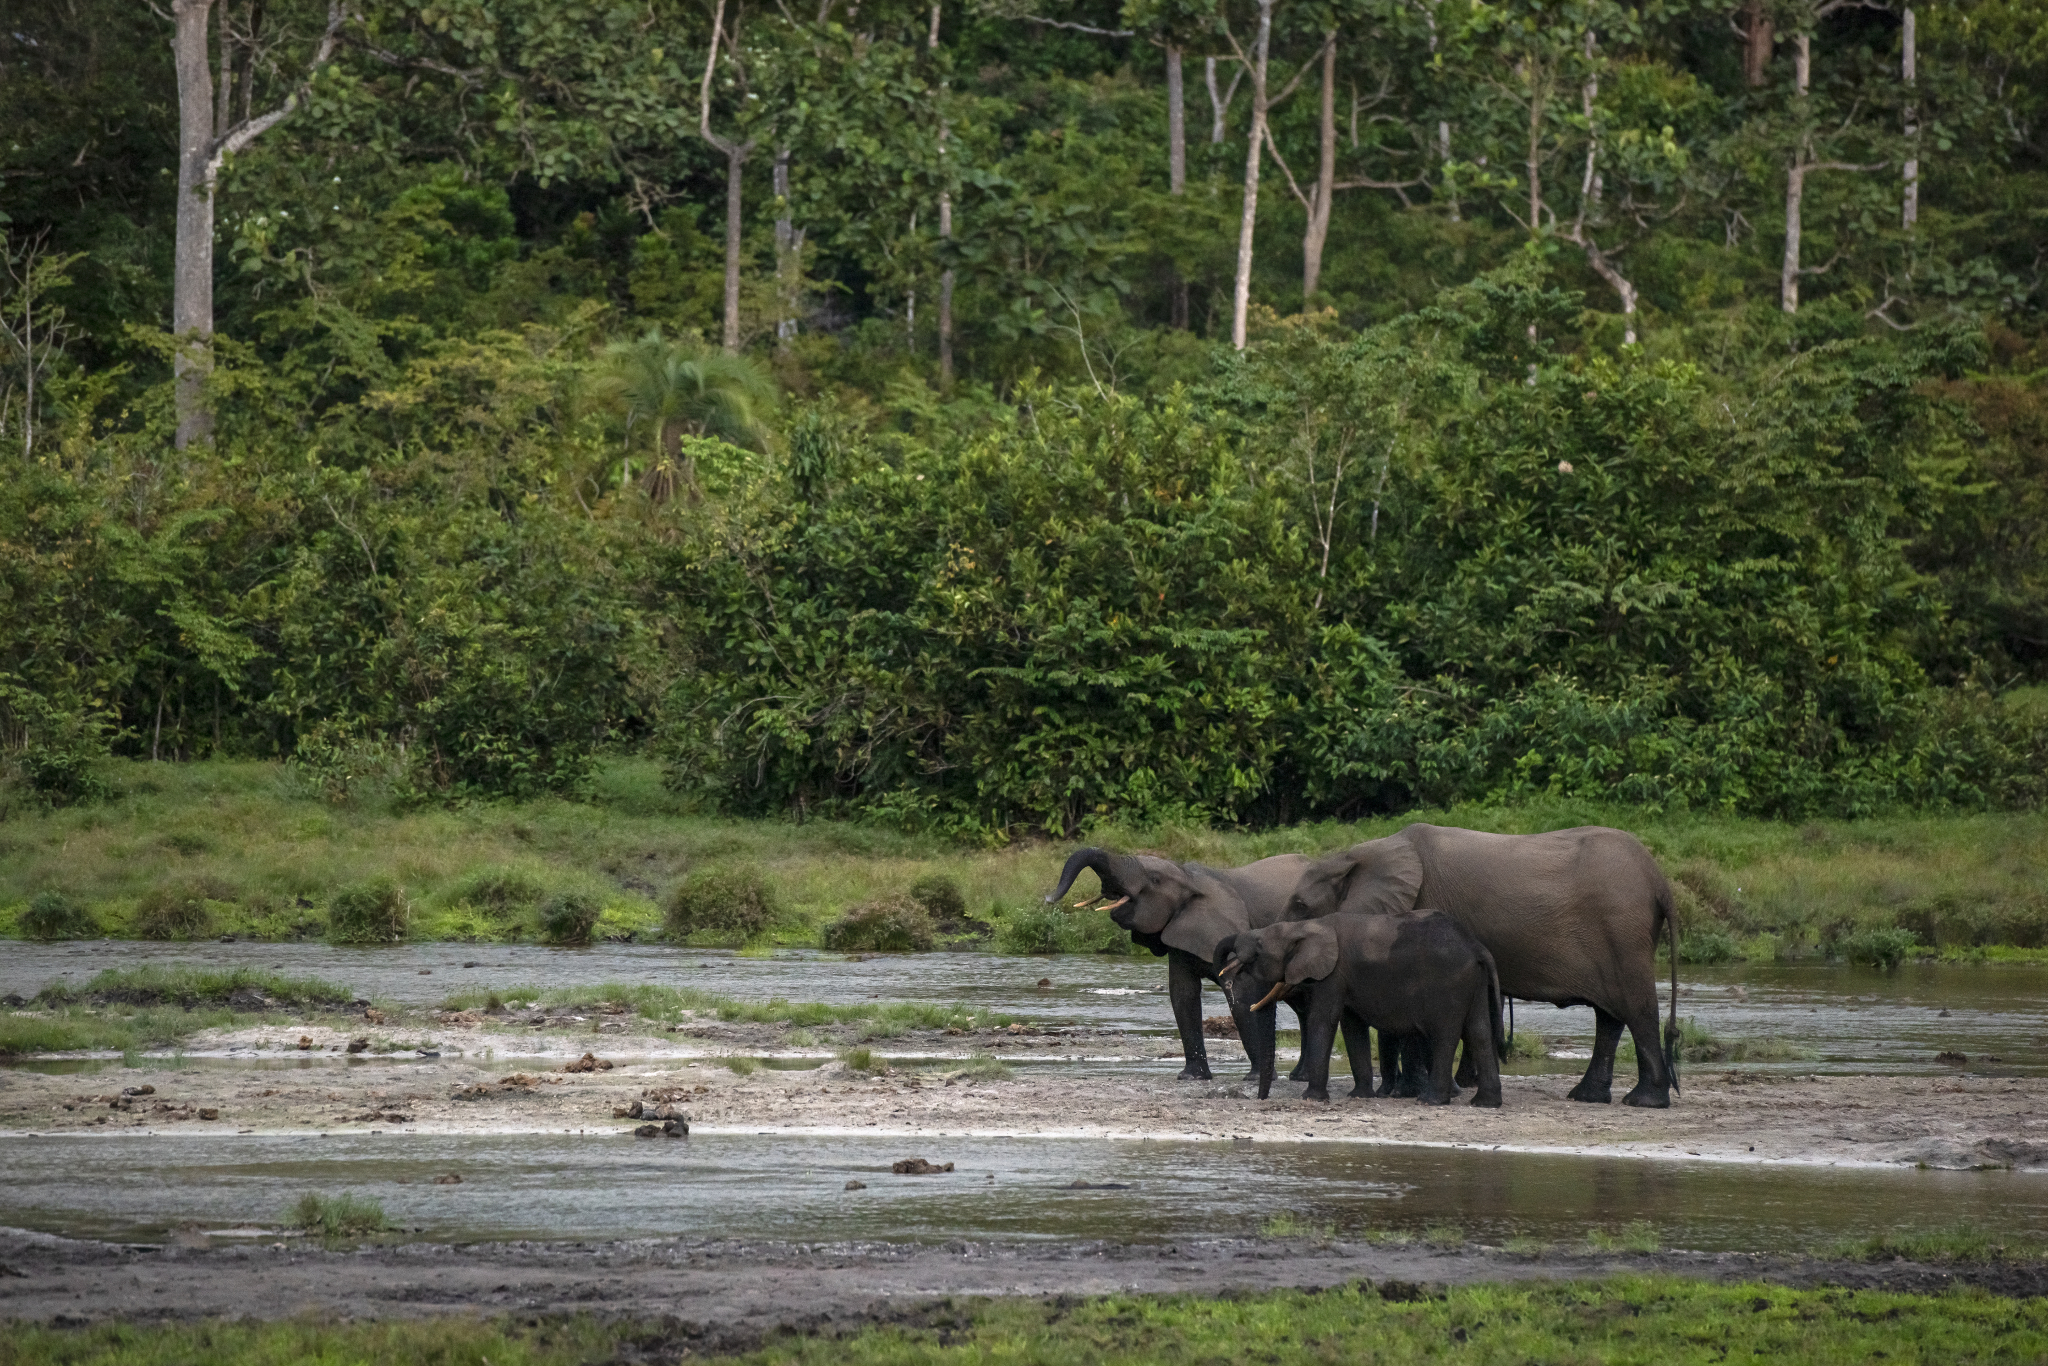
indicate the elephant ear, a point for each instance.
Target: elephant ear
{"x":1385,"y":877}
{"x":1212,"y":914}
{"x":1312,"y":952}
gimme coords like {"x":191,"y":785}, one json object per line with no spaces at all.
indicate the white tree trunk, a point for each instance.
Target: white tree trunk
{"x":1177,"y":167}
{"x":1241,"y":291}
{"x":1795,"y":177}
{"x":192,"y":274}
{"x":789,"y":245}
{"x":1910,"y":73}
{"x":1318,"y":230}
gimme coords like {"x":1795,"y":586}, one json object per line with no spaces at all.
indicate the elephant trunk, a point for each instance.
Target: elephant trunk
{"x":1101,"y":862}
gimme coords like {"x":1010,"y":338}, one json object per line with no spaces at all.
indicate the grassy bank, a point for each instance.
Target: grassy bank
{"x":193,"y":850}
{"x":1625,"y":1319}
{"x":132,"y":1009}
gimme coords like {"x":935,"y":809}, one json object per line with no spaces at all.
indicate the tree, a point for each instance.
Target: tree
{"x":736,"y":150}
{"x":1808,"y":136}
{"x":678,"y":389}
{"x":208,"y":134}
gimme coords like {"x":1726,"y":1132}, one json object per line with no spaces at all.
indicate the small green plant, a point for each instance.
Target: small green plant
{"x":497,"y":890}
{"x":1050,"y":929}
{"x":1708,"y":944}
{"x":862,"y":1060}
{"x":53,"y":915}
{"x":1883,"y":949}
{"x":983,"y":1067}
{"x":890,"y":924}
{"x":1444,"y":1235}
{"x":1961,"y":1242}
{"x":338,"y":1216}
{"x":732,"y":903}
{"x":569,"y":917}
{"x":940,"y":896}
{"x":373,"y":912}
{"x":1288,"y":1224}
{"x":1638,"y":1235}
{"x":174,"y":911}
{"x":1522,"y":1245}
{"x":741,"y":1067}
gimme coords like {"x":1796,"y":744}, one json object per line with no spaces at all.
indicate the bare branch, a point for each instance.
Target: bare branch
{"x":248,"y":130}
{"x":1077,"y":28}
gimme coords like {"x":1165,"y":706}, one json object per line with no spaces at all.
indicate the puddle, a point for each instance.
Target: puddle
{"x":793,"y":1188}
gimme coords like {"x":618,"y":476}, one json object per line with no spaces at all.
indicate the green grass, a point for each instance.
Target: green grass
{"x":266,"y":854}
{"x":1638,"y":1235}
{"x":1630,"y":1319}
{"x":1963,"y":1242}
{"x":334,"y":1217}
{"x":151,"y":985}
{"x":152,"y":1007}
{"x":673,"y":1005}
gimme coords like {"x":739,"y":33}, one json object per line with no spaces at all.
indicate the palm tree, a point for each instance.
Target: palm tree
{"x":679,"y":388}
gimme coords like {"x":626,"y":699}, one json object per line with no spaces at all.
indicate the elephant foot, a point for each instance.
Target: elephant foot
{"x":1361,"y":1093}
{"x":1300,"y":1071}
{"x":1197,"y":1071}
{"x":1316,"y":1093}
{"x":1486,"y":1101}
{"x":1427,"y":1098}
{"x":1586,"y":1091}
{"x":1649,"y":1097}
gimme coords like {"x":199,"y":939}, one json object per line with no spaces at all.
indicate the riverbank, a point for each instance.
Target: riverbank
{"x":247,"y":849}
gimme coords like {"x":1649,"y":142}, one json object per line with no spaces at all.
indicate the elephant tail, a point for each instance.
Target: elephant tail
{"x":1667,"y":907}
{"x":1503,"y":1042}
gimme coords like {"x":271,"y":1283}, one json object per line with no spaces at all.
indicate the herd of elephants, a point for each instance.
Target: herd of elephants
{"x":1420,"y":935}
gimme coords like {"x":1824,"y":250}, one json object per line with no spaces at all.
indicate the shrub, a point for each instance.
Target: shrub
{"x":733,"y":902}
{"x":373,"y":912}
{"x":1878,"y":948}
{"x":892,"y":924}
{"x":1048,"y":929}
{"x":940,"y":896}
{"x":174,"y":911}
{"x":1707,"y":944}
{"x":53,"y":915}
{"x":863,"y":1060}
{"x":499,"y":890}
{"x":569,"y":917}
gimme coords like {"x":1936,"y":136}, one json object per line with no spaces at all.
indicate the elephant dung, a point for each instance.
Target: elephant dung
{"x":917,"y":1166}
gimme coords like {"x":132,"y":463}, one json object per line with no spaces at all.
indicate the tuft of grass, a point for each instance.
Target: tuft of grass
{"x":674,"y":1005}
{"x":1288,"y":1224}
{"x":1039,"y":928}
{"x":129,"y":1009}
{"x":375,"y":911}
{"x":1698,"y":1044}
{"x":176,"y":911}
{"x":1523,"y":1245}
{"x":334,"y":1217}
{"x":940,"y":896}
{"x":569,"y":917}
{"x":983,"y":1067}
{"x":863,"y":1060}
{"x":741,"y":1067}
{"x":1962,"y":1242}
{"x":1883,"y":948}
{"x":725,"y":904}
{"x":1638,"y":1235}
{"x":53,"y":915}
{"x":1444,"y":1235}
{"x":891,"y":924}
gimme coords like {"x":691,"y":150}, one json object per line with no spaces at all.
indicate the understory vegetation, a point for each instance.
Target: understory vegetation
{"x":1626,"y":1319}
{"x":265,"y":857}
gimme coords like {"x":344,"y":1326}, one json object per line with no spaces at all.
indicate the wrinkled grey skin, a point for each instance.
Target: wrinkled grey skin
{"x":1409,"y":973}
{"x":1180,"y":911}
{"x":1571,"y":917}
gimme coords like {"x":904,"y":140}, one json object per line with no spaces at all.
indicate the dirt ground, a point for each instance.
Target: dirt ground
{"x":491,"y":1078}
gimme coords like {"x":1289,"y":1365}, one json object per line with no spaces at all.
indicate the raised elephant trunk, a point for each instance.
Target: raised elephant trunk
{"x":1102,"y":863}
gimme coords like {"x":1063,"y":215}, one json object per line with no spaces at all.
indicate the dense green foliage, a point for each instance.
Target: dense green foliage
{"x":483,"y":500}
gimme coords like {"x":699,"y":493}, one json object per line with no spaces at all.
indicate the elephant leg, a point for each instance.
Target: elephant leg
{"x":1653,"y":1070}
{"x":1318,"y":1034}
{"x":1443,"y":1056}
{"x":1414,"y":1065}
{"x":1390,"y":1062}
{"x":1184,"y":990}
{"x":1300,"y":1064}
{"x":1358,"y":1051}
{"x":1597,"y":1086}
{"x":1468,"y":1072}
{"x":1482,"y":1049}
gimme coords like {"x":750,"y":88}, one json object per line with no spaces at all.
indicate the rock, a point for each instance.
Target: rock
{"x":1093,"y":1185}
{"x":374,"y":1015}
{"x":626,"y":1111}
{"x":472,"y":963}
{"x":676,"y":1128}
{"x":1220,"y":1027}
{"x":1045,"y":981}
{"x":247,"y":999}
{"x":589,"y":1062}
{"x":12,"y":1001}
{"x":359,"y":1045}
{"x":209,"y":1113}
{"x":1953,"y":1059}
{"x":648,"y":1131}
{"x":139,"y":1091}
{"x":227,"y":939}
{"x":856,"y":1185}
{"x":305,"y":1041}
{"x":451,"y":1179}
{"x":917,"y":1166}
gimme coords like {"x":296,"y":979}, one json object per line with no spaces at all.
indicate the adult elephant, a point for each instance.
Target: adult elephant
{"x":1182,"y":911}
{"x":1571,"y":917}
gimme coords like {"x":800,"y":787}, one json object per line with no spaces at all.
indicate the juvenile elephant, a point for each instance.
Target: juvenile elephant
{"x":1180,"y":911}
{"x":1415,"y":973}
{"x":1571,"y":917}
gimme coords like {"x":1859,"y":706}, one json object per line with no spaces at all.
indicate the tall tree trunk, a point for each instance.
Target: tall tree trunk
{"x":1241,"y":291}
{"x":1318,"y":231}
{"x":1443,"y":157}
{"x":1795,"y":176}
{"x":735,"y":167}
{"x":1219,"y":101}
{"x":192,"y":275}
{"x":1758,"y":32}
{"x":1176,"y":170}
{"x":1586,"y":223}
{"x":945,"y":232}
{"x":1910,"y":73}
{"x":1534,"y":163}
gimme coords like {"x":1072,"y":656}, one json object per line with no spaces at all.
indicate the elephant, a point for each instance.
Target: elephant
{"x":1571,"y":917}
{"x":1417,"y":972}
{"x":1180,"y":912}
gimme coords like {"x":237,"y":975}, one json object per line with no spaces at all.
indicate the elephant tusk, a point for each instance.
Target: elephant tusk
{"x":1271,"y":996}
{"x":1114,"y":904}
{"x":1229,"y":970}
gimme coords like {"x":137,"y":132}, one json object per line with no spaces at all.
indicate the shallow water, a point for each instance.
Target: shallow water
{"x":1848,"y":1019}
{"x":607,"y":1186}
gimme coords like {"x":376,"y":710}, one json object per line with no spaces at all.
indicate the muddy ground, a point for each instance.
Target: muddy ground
{"x":496,"y":1077}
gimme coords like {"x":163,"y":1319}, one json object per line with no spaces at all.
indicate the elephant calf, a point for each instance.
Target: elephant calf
{"x":1414,"y":972}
